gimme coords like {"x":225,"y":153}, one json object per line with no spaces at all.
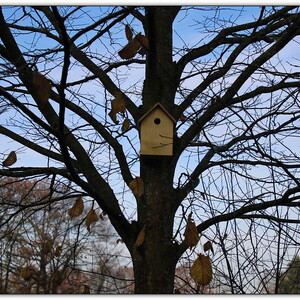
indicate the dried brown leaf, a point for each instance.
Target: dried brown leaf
{"x":57,"y":277}
{"x":77,"y":208}
{"x":131,"y":49}
{"x":113,"y":116}
{"x":86,"y":289}
{"x":46,"y":247}
{"x":137,"y":186}
{"x":128,"y":32}
{"x":57,"y":251}
{"x":201,"y":270}
{"x":191,"y":233}
{"x":10,"y":159}
{"x":125,"y":125}
{"x":140,"y":238}
{"x":26,"y":273}
{"x":208,"y":246}
{"x":43,"y":86}
{"x":143,"y":51}
{"x":26,"y":252}
{"x":91,"y":218}
{"x":117,"y":106}
{"x":143,"y":40}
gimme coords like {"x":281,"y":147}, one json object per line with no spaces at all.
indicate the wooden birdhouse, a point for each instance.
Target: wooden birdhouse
{"x":156,"y":132}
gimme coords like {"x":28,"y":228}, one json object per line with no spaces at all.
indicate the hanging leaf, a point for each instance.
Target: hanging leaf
{"x":117,"y":106}
{"x":143,"y":40}
{"x":57,"y":251}
{"x":191,"y":233}
{"x":26,"y":273}
{"x":131,"y":49}
{"x":140,"y":238}
{"x":208,"y":246}
{"x":46,"y":247}
{"x":43,"y":86}
{"x":57,"y":277}
{"x":26,"y":252}
{"x":77,"y":208}
{"x":91,"y":218}
{"x":143,"y":51}
{"x":125,"y":125}
{"x":113,"y":116}
{"x":201,"y":270}
{"x":86,"y":289}
{"x":138,"y":44}
{"x":10,"y":159}
{"x":137,"y":186}
{"x":128,"y":32}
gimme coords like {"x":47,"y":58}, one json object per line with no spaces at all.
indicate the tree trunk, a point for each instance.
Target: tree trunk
{"x":155,"y":259}
{"x":159,"y":85}
{"x":154,"y":270}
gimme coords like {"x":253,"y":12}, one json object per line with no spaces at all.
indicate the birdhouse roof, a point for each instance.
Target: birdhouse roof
{"x":153,"y":108}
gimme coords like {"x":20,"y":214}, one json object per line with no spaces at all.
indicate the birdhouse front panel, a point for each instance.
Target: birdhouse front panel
{"x":156,"y":134}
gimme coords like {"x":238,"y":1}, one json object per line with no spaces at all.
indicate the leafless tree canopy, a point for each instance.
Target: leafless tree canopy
{"x":75,"y":82}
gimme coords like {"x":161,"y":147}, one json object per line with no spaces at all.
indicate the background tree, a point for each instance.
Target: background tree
{"x":251,"y":257}
{"x":290,"y":280}
{"x":76,"y":81}
{"x":45,"y":250}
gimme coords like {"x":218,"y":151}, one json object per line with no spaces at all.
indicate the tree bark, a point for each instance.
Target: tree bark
{"x":155,"y":259}
{"x":154,"y":270}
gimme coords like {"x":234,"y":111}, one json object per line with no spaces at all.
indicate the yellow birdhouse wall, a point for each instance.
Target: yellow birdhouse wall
{"x":156,"y":133}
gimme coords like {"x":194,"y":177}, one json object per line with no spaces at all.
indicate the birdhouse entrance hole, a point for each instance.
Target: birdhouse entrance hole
{"x":157,"y":121}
